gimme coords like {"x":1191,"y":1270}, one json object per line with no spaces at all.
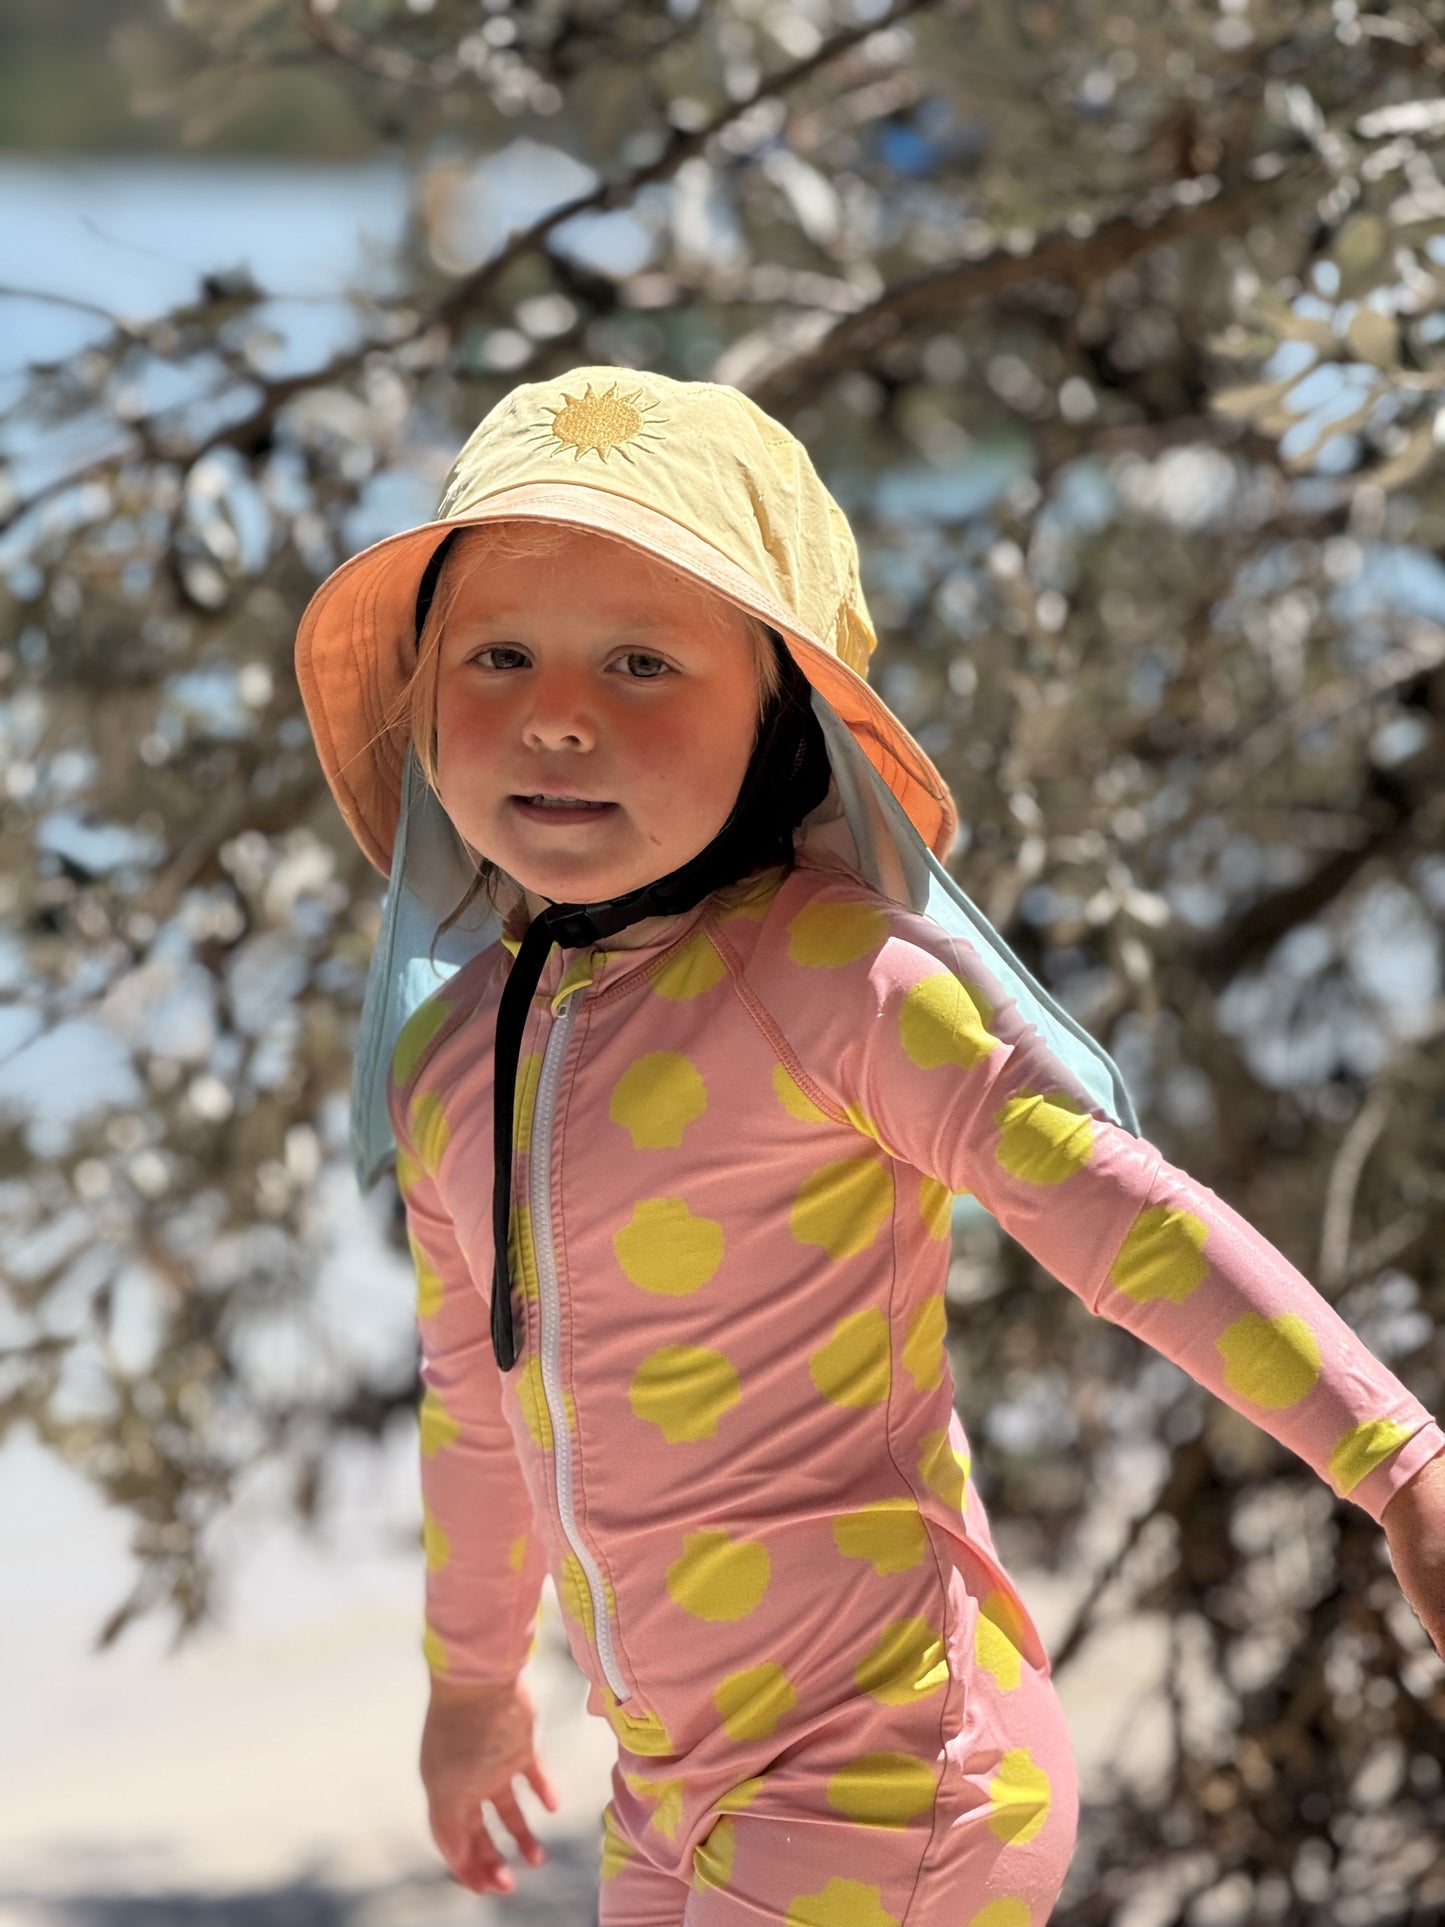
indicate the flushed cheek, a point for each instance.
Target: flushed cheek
{"x":682,"y":784}
{"x":680,"y":815}
{"x":467,"y":747}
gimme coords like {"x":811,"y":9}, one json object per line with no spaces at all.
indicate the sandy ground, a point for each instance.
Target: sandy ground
{"x":264,"y":1774}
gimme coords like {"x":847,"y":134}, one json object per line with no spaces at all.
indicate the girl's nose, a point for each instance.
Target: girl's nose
{"x":559,"y":715}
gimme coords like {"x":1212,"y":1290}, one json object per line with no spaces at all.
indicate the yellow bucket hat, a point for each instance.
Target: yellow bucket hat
{"x":691,"y":471}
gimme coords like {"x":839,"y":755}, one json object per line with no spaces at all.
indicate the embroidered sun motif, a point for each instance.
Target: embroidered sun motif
{"x":598,"y":424}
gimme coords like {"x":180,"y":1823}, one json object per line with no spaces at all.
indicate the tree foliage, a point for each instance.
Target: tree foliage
{"x":1117,"y":332}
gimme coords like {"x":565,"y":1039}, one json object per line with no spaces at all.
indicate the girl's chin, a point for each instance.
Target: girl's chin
{"x":577,"y":885}
{"x":581,"y":876}
{"x":566,"y":876}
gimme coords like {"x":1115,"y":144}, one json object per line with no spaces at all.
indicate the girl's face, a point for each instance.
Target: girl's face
{"x":595,"y":717}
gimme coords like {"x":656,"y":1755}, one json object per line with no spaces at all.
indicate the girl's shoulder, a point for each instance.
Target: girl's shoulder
{"x":468,"y":992}
{"x":823,"y":914}
{"x":851,"y":987}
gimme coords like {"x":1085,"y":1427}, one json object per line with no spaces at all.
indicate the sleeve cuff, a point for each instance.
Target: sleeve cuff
{"x":1378,"y":1486}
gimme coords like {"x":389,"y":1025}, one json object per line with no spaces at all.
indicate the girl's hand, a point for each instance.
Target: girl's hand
{"x":1414,"y":1522}
{"x":476,"y":1741}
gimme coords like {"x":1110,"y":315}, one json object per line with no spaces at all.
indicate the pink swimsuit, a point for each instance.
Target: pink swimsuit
{"x":730,"y":1433}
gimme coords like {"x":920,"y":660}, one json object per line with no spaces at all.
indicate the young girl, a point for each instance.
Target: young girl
{"x":678,"y":1145}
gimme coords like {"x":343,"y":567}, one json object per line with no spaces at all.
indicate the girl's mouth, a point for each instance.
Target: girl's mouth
{"x":561,"y":809}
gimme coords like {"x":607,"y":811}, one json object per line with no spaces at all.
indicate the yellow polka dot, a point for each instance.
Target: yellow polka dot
{"x":922,"y":1354}
{"x":522,"y":1251}
{"x":1020,"y":1793}
{"x":751,"y":1702}
{"x":437,"y":1426}
{"x":666,"y":1248}
{"x":852,"y":1368}
{"x":691,"y":970}
{"x":641,"y":1733}
{"x":883,"y":1789}
{"x":716,"y":1577}
{"x":945,"y":1021}
{"x":1272,"y":1362}
{"x":429,"y":1288}
{"x":906,"y":1665}
{"x":1043,"y":1140}
{"x":666,"y":1799}
{"x":1002,"y":1913}
{"x":616,"y":1850}
{"x":656,"y":1099}
{"x":1362,"y":1448}
{"x":935,"y":1201}
{"x":825,"y":935}
{"x":524,"y":1104}
{"x":409,"y":1173}
{"x":943,"y":1469}
{"x":415,"y":1038}
{"x":864,"y":1124}
{"x":742,"y":1795}
{"x":532,"y":1398}
{"x":997,"y":1639}
{"x":712,"y":1857}
{"x":429,"y":1131}
{"x":843,"y":1206}
{"x":435,"y":1543}
{"x":667,"y":1817}
{"x":1163,"y":1255}
{"x":684,"y":1390}
{"x":585,"y":968}
{"x":794,"y":1099}
{"x":517,"y":1552}
{"x":575,"y":1596}
{"x":889,"y":1534}
{"x":842,"y":1903}
{"x":434,"y":1652}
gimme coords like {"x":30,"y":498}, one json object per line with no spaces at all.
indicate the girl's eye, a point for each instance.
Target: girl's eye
{"x":500,"y":655}
{"x":642,"y":667}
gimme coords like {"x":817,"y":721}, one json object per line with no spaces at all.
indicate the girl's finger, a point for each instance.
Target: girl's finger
{"x":482,"y":1867}
{"x":515,"y":1821}
{"x":470,"y":1852}
{"x":541,"y":1785}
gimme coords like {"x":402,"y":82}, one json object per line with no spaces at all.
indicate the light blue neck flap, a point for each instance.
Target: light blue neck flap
{"x":430,"y":874}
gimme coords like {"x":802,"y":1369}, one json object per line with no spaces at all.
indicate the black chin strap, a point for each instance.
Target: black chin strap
{"x":786,"y":777}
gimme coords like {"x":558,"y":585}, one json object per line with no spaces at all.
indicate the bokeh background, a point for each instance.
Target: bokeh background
{"x":1117,"y":331}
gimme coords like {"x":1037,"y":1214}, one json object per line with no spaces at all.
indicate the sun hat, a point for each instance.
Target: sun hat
{"x":696,"y":475}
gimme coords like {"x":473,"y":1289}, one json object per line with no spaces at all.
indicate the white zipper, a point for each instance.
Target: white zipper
{"x":549,"y":1301}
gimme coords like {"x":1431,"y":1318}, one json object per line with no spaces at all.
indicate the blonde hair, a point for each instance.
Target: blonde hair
{"x":471,"y":549}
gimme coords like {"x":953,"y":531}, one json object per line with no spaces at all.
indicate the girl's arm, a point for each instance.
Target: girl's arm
{"x":911,"y":1035}
{"x":484,"y":1562}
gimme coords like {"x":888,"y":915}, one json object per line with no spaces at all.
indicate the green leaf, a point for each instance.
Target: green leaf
{"x":1360,"y":247}
{"x":1375,"y":337}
